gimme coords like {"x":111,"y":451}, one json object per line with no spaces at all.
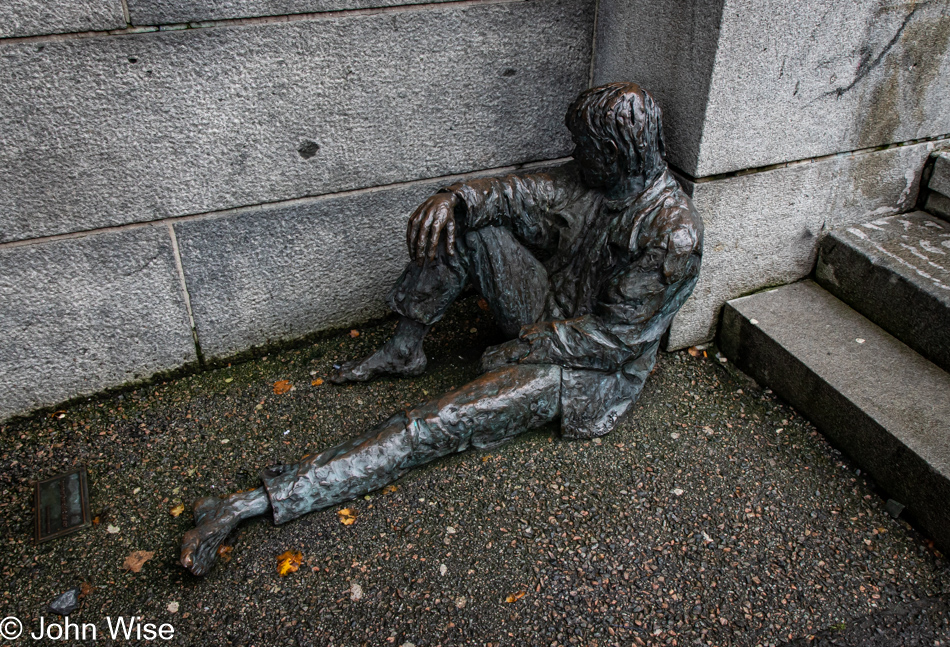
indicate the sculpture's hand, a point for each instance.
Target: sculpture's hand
{"x":426,"y":224}
{"x":501,"y":355}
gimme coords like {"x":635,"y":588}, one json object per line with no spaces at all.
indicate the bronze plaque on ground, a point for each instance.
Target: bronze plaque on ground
{"x":61,"y":505}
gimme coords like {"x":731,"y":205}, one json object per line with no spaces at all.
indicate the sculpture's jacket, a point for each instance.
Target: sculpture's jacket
{"x":617,"y":273}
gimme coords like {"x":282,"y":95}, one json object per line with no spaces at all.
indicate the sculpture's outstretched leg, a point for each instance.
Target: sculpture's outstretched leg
{"x":483,"y":413}
{"x":402,"y":355}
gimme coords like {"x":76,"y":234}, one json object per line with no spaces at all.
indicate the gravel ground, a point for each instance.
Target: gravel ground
{"x":716,"y":516}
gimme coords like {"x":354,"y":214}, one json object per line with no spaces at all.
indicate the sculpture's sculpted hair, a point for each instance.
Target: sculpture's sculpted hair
{"x":627,"y":116}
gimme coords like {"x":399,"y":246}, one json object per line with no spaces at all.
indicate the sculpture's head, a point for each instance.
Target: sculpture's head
{"x":618,"y":132}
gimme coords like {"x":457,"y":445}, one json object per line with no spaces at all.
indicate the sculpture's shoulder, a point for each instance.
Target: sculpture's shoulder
{"x":678,"y":208}
{"x":676,"y":214}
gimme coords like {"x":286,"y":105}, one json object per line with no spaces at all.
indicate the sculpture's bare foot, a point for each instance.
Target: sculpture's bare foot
{"x":214,"y":520}
{"x":384,"y":361}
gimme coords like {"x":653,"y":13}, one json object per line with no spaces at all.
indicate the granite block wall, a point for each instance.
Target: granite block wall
{"x":784,"y":118}
{"x":182,"y":181}
{"x":258,"y":160}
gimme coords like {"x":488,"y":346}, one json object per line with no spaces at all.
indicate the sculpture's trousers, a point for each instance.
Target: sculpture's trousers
{"x":513,"y":282}
{"x":483,"y":413}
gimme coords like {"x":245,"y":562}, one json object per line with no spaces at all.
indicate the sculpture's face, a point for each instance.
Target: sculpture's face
{"x":599,"y":168}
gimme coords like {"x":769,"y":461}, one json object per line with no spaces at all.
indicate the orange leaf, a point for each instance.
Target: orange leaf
{"x":281,"y":387}
{"x":136,"y":560}
{"x":177,"y":510}
{"x":354,"y":333}
{"x":347,"y":516}
{"x":317,"y":382}
{"x":86,"y":589}
{"x":224,"y":553}
{"x":695,"y":352}
{"x":289,"y":562}
{"x":389,"y":489}
{"x":514,"y":597}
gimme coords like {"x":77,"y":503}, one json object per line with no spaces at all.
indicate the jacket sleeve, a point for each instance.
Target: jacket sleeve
{"x":527,"y":205}
{"x":634,"y":309}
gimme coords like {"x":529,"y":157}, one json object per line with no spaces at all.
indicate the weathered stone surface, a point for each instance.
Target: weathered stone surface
{"x":762,"y":229}
{"x":938,"y":204}
{"x":157,"y":12}
{"x":668,"y":48}
{"x":279,"y":273}
{"x":35,"y":17}
{"x":100,"y":131}
{"x":896,"y":272}
{"x":873,"y":396}
{"x":940,"y":179}
{"x":80,"y":315}
{"x":791,"y":80}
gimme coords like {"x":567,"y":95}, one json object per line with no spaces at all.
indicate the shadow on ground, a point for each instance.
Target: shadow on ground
{"x":715,"y":515}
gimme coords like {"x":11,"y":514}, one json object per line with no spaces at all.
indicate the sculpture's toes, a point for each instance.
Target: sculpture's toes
{"x":378,"y":364}
{"x":199,"y":547}
{"x":352,"y":371}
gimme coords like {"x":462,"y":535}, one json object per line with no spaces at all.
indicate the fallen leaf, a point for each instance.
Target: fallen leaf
{"x":354,"y":333}
{"x":112,"y":530}
{"x":389,"y":489}
{"x":58,"y":415}
{"x":695,"y":352}
{"x":289,"y":562}
{"x":177,"y":510}
{"x":347,"y":516}
{"x":281,"y":387}
{"x":136,"y":560}
{"x":95,"y":521}
{"x":86,"y":589}
{"x":317,"y":382}
{"x":224,"y":553}
{"x":514,"y":597}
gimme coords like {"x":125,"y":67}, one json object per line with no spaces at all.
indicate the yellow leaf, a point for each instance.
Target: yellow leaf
{"x":514,"y":597}
{"x":317,"y":382}
{"x":389,"y":489}
{"x":289,"y":562}
{"x":281,"y":387}
{"x":354,"y":333}
{"x":347,"y":516}
{"x":177,"y":510}
{"x":224,"y":553}
{"x":136,"y":560}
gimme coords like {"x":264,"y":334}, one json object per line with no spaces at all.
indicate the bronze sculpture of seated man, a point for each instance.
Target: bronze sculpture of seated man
{"x":584,"y":267}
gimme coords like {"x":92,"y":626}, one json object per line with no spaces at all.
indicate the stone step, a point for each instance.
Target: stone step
{"x":936,"y":197}
{"x":874,"y":397}
{"x":896,"y":272}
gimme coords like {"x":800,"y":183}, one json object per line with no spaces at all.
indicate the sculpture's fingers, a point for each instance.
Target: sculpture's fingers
{"x":450,"y":235}
{"x":412,"y":230}
{"x":434,"y":233}
{"x":423,"y":238}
